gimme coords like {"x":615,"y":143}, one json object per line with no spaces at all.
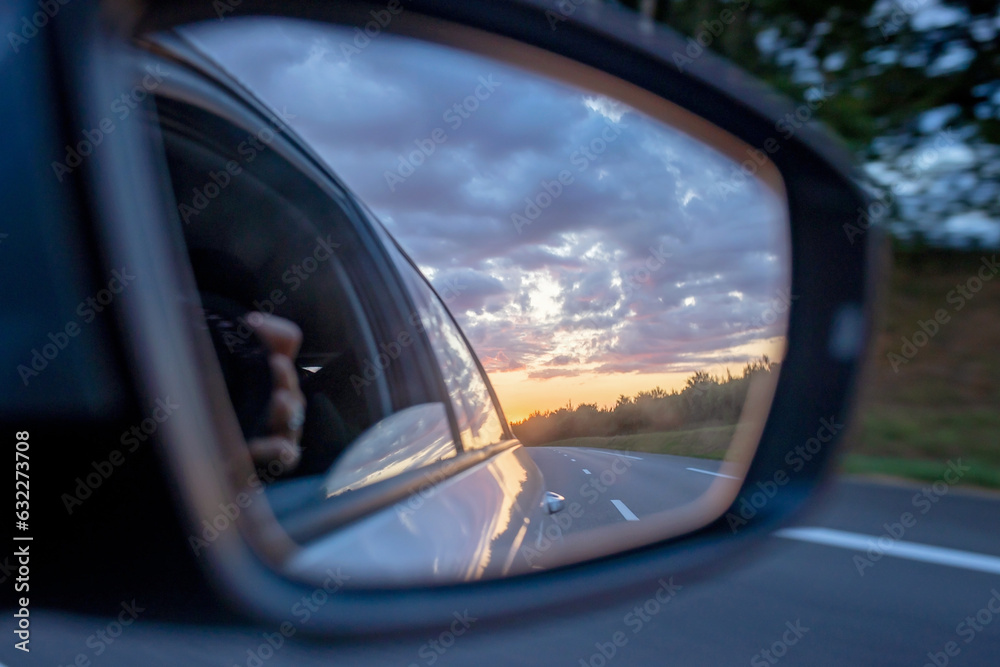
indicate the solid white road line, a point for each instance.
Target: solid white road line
{"x":630,"y":457}
{"x":586,"y":472}
{"x":909,"y":550}
{"x":708,"y":472}
{"x":626,"y":512}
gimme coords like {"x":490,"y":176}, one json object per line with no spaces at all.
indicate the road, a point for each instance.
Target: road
{"x":897,"y":612}
{"x":614,"y":486}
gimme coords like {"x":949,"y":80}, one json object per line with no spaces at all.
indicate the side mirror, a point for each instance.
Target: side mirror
{"x":786,"y":425}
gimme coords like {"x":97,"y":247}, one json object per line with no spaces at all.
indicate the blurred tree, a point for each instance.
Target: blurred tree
{"x":706,"y":400}
{"x":913,"y":86}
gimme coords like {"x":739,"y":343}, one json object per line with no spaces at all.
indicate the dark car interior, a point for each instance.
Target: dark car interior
{"x":243,"y":245}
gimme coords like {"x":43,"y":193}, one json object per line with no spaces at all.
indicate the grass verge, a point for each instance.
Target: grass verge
{"x":710,"y":442}
{"x":934,"y":398}
{"x":982,"y":474}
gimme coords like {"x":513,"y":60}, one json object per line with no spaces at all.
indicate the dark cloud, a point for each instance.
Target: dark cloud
{"x":636,"y":261}
{"x":499,"y":362}
{"x":466,"y":289}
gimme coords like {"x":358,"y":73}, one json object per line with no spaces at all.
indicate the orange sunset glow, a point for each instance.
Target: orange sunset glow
{"x":520,"y":395}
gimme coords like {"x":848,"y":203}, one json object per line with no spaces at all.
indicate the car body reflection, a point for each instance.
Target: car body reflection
{"x":406,"y":440}
{"x":470,"y":526}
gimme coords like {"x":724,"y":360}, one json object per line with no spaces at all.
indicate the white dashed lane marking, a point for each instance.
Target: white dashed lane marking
{"x":586,"y":472}
{"x":626,"y":512}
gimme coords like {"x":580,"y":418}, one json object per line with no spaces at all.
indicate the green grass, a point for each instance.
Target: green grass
{"x":982,"y":474}
{"x":710,"y":442}
{"x":929,"y":432}
{"x":943,"y":404}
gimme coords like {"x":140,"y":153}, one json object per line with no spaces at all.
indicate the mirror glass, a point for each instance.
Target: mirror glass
{"x":611,"y":277}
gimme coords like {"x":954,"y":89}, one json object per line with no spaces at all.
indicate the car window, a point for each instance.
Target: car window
{"x":264,"y":236}
{"x":478,"y":417}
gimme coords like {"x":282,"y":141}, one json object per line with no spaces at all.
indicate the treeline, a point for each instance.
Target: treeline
{"x":705,"y":400}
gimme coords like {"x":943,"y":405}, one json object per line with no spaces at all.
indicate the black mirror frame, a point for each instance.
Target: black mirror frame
{"x":830,"y":322}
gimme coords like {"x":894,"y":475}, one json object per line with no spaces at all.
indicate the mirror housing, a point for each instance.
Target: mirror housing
{"x":829,"y":327}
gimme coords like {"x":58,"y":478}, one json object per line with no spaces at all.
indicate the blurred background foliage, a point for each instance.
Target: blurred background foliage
{"x":914,"y":91}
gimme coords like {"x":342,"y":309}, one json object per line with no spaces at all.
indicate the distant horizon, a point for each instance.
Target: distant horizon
{"x":520,"y":396}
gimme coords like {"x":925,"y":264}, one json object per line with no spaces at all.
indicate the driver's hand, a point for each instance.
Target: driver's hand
{"x":288,"y":403}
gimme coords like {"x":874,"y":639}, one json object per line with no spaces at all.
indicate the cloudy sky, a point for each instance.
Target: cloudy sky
{"x":634,"y":271}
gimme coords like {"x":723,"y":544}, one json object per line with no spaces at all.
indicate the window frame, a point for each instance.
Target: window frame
{"x":507,"y":434}
{"x":214,"y":101}
{"x":207,"y":91}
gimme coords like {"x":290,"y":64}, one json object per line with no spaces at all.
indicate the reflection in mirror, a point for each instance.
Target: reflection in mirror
{"x":619,"y":267}
{"x":406,"y":440}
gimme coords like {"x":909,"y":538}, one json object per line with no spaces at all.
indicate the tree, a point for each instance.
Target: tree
{"x":705,"y":400}
{"x":912,"y":86}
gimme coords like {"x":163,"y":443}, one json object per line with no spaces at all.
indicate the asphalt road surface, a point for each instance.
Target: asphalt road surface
{"x":793,"y":602}
{"x":613,"y":486}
